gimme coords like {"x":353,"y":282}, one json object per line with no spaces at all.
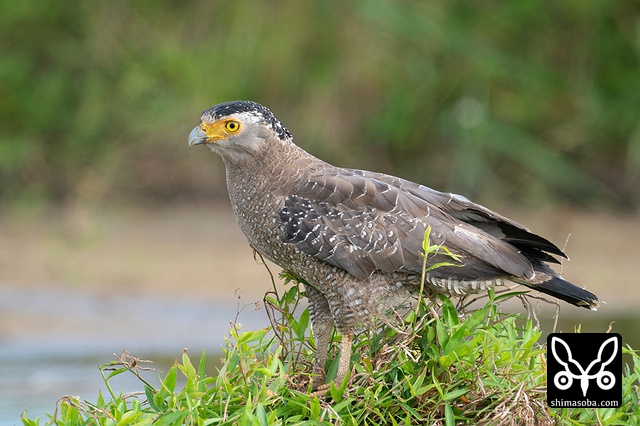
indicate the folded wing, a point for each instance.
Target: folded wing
{"x":364,"y":222}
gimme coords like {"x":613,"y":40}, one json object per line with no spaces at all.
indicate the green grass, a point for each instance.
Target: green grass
{"x":435,"y":364}
{"x":454,"y":367}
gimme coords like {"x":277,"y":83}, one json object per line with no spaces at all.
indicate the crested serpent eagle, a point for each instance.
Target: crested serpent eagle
{"x":355,"y":237}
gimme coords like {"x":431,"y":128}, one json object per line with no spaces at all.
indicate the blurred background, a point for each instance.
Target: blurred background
{"x":114,"y":235}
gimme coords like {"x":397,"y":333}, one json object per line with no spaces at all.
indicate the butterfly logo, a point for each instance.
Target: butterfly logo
{"x":564,"y":379}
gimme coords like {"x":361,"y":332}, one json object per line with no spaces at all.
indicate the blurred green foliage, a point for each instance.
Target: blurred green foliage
{"x":494,"y":99}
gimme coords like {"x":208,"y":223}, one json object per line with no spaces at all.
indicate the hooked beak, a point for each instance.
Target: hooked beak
{"x":197,"y":137}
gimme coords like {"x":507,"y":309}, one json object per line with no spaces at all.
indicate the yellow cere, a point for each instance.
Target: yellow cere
{"x":220,"y":129}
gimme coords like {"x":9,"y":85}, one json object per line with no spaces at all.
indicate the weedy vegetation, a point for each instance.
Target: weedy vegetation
{"x":439,"y":364}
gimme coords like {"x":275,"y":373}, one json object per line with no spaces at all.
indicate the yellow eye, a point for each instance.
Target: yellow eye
{"x":232,"y":126}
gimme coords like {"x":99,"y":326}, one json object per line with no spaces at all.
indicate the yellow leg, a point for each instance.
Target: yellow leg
{"x":345,"y":358}
{"x":344,"y":364}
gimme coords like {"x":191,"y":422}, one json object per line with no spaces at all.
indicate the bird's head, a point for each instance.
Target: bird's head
{"x":237,"y":129}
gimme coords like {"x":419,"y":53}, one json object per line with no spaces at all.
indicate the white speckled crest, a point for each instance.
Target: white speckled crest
{"x":261,"y":113}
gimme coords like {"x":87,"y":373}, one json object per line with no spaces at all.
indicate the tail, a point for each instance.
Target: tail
{"x":557,"y":287}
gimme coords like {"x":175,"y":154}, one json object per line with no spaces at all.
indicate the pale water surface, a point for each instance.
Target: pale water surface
{"x":52,"y":340}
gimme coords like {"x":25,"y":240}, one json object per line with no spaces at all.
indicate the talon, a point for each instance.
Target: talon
{"x":321,"y":390}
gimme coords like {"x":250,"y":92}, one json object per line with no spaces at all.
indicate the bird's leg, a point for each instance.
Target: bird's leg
{"x":345,"y":358}
{"x":343,"y":366}
{"x":322,"y":322}
{"x":323,"y":337}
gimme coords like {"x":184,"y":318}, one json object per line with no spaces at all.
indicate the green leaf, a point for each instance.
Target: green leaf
{"x":252,"y":336}
{"x":426,"y":245}
{"x":149,"y":393}
{"x":455,"y":394}
{"x":169,"y":382}
{"x":335,"y":392}
{"x":303,"y":324}
{"x":202,"y":365}
{"x":441,"y":264}
{"x":117,"y":371}
{"x":442,"y":333}
{"x":171,"y":418}
{"x":449,"y":312}
{"x":449,"y":417}
{"x":261,"y":415}
{"x":28,"y":422}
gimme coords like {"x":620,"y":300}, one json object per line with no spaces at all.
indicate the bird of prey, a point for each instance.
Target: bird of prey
{"x":355,"y":237}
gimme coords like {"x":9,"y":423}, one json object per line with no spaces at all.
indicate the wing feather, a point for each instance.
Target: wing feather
{"x":364,"y":222}
{"x":459,"y":207}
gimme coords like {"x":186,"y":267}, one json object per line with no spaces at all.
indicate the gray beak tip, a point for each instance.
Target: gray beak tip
{"x":197,"y":137}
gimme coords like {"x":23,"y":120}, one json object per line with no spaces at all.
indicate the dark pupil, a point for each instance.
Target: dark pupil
{"x":232,"y":126}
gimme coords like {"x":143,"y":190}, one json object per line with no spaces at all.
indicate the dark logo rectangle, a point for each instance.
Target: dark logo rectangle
{"x":584,"y":370}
